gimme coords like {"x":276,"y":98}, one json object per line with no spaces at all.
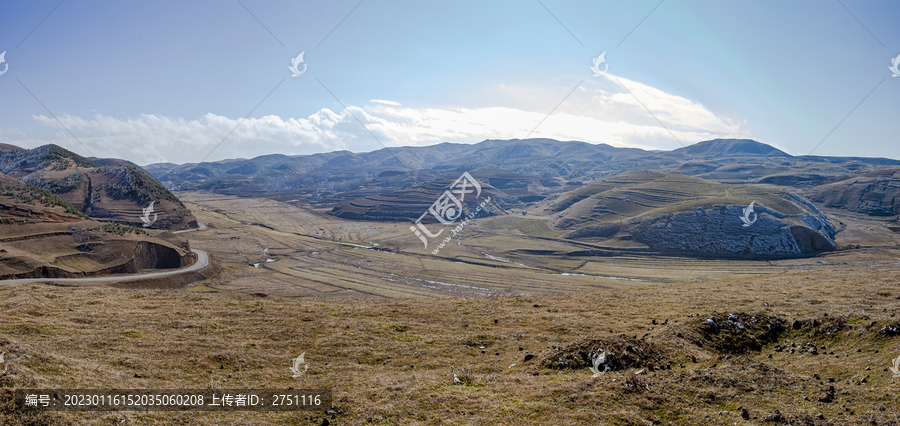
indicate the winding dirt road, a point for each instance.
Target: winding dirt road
{"x":202,"y":261}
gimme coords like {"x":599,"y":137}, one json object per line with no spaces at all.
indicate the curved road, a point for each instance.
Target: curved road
{"x":200,"y":228}
{"x":202,"y":261}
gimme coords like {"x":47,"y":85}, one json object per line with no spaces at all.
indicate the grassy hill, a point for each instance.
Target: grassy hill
{"x":115,"y":190}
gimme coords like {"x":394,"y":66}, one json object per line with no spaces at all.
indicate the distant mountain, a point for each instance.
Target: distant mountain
{"x":104,"y":189}
{"x":332,"y":179}
{"x":719,"y":148}
{"x":534,"y":157}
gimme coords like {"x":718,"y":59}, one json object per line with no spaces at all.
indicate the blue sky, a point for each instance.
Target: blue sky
{"x":155,"y":81}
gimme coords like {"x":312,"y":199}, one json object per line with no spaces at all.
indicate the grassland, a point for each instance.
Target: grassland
{"x":392,"y":361}
{"x":388,"y":330}
{"x":310,"y":258}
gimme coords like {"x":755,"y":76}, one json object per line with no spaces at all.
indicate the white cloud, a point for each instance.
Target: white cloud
{"x":380,"y":101}
{"x":602,"y":112}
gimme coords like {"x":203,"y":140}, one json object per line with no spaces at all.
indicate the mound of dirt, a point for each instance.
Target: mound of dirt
{"x":619,"y":353}
{"x":736,"y":333}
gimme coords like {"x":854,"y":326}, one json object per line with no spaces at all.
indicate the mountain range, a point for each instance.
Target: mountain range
{"x":544,"y":166}
{"x":687,"y":200}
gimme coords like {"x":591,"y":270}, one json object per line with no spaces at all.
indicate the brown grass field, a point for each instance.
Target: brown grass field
{"x":387,"y":331}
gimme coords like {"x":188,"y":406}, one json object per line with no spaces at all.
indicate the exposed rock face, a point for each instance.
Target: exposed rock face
{"x":719,"y":231}
{"x":872,"y":195}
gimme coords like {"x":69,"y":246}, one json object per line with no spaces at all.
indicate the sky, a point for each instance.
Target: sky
{"x":183,"y":81}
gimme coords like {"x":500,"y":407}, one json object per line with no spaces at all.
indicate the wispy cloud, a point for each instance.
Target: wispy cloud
{"x":384,"y":102}
{"x":602,"y":112}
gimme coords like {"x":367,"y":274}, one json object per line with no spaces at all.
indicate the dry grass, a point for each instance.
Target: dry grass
{"x":390,"y":348}
{"x":392,"y":361}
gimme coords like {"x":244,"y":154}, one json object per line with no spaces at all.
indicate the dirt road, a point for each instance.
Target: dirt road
{"x":202,"y":261}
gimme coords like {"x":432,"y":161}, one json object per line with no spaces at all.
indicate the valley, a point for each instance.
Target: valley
{"x":495,"y":256}
{"x":660,"y":271}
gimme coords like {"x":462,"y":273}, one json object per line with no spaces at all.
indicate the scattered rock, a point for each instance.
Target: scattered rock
{"x":774,"y":417}
{"x":890,"y":331}
{"x":829,"y":395}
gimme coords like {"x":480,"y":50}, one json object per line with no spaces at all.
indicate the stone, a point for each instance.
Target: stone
{"x":774,"y":417}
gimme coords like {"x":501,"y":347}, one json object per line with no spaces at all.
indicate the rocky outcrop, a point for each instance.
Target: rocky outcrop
{"x":872,"y":195}
{"x":719,"y":231}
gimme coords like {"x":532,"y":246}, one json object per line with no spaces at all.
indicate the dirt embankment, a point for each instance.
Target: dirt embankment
{"x":145,"y":255}
{"x":171,"y":282}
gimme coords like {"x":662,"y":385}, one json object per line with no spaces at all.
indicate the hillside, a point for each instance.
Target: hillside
{"x":44,"y":236}
{"x":506,"y":189}
{"x":875,"y":194}
{"x":674,"y":213}
{"x":108,"y":190}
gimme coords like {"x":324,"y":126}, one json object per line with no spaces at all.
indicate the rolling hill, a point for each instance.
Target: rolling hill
{"x":44,"y":236}
{"x":108,"y":190}
{"x":682,"y":214}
